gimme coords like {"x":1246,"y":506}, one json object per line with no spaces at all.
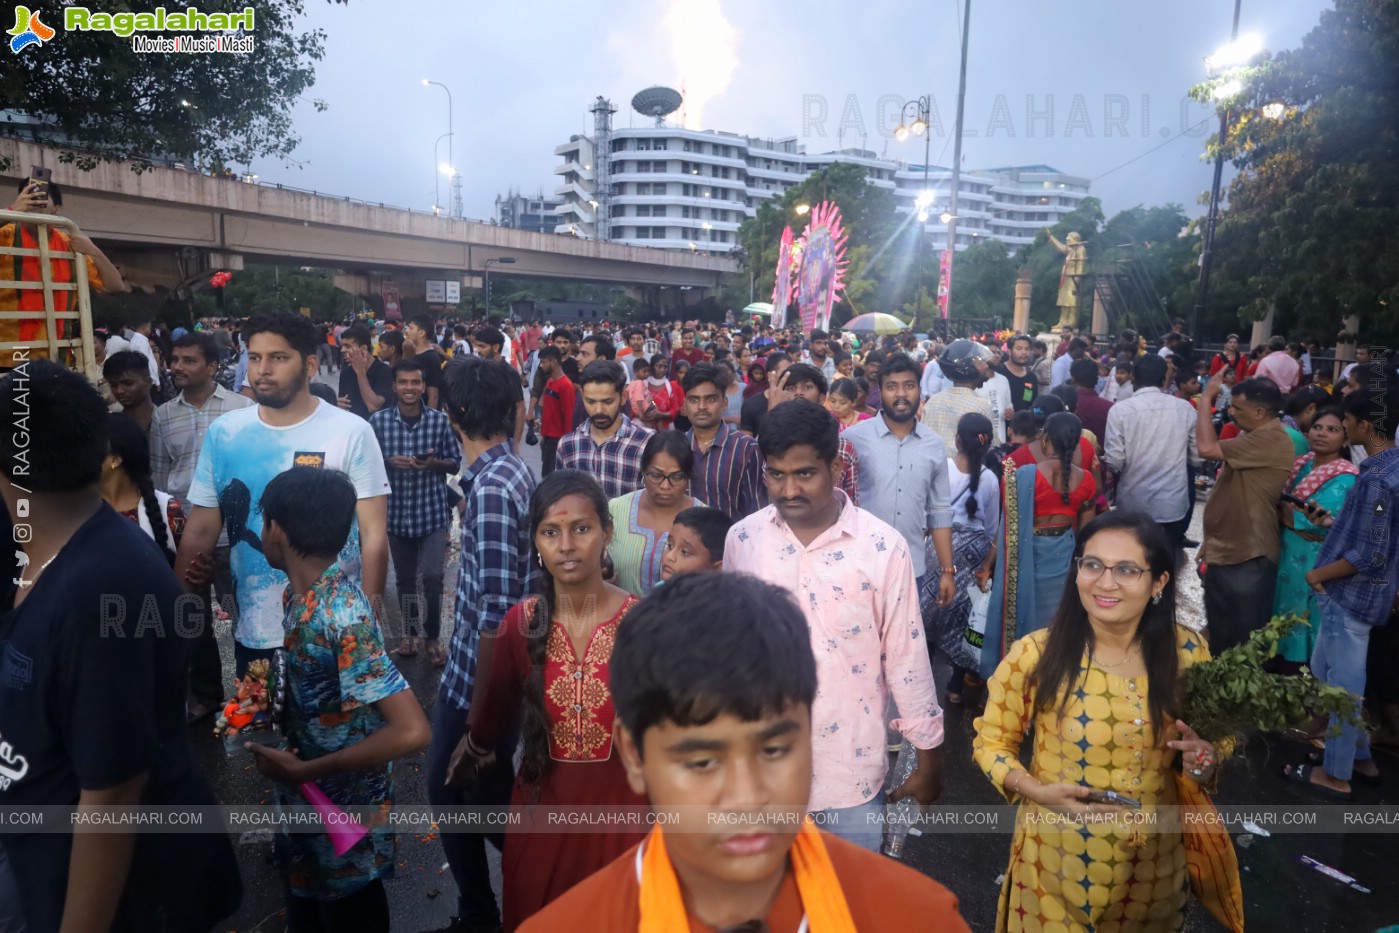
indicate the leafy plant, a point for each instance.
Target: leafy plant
{"x":1231,"y":694}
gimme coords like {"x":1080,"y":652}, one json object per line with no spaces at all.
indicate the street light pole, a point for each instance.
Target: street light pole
{"x":436,"y":181}
{"x":1207,"y":247}
{"x":921,"y":112}
{"x":504,"y":260}
{"x":957,"y":154}
{"x":444,"y":87}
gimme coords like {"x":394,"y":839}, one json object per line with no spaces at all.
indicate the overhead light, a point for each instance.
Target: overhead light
{"x":446,"y":169}
{"x":924,"y":199}
{"x":922,"y":216}
{"x":901,"y":133}
{"x":947,"y":217}
{"x":1235,"y":53}
{"x":803,"y":208}
{"x":918,"y":128}
{"x":425,"y":82}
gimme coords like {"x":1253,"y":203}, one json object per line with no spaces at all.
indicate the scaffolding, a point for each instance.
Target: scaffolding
{"x":58,"y":341}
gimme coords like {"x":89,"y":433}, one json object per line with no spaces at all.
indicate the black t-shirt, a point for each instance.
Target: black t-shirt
{"x":380,"y":376}
{"x":1023,"y":389}
{"x":431,"y":361}
{"x":751,"y":415}
{"x":89,"y":699}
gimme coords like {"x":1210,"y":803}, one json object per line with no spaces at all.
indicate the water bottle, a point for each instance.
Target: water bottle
{"x":900,"y":818}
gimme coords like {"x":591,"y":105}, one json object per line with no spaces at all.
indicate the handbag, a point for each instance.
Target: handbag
{"x":1210,"y":860}
{"x":975,"y":632}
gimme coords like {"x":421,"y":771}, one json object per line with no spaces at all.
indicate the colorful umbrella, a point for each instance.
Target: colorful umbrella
{"x":875,"y":323}
{"x":758,"y":307}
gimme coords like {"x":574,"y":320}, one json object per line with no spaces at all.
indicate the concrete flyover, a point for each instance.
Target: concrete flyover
{"x":167,"y":227}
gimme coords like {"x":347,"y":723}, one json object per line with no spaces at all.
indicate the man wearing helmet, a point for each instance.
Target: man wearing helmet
{"x":965,"y":364}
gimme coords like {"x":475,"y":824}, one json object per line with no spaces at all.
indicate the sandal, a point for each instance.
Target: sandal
{"x":1302,"y":774}
{"x":407,"y":647}
{"x":1361,"y":777}
{"x":436,"y":653}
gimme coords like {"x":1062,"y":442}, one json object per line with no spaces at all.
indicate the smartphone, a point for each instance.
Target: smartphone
{"x":1113,"y":797}
{"x":1303,"y":504}
{"x":38,"y":175}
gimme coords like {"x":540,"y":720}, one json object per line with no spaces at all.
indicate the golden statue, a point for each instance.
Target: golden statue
{"x":1075,"y":267}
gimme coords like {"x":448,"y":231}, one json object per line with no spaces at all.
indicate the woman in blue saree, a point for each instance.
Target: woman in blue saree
{"x":1045,"y":504}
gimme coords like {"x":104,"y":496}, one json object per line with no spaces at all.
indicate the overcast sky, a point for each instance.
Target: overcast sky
{"x":1107,"y":80}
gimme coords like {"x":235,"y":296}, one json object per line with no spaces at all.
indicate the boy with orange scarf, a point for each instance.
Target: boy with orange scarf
{"x":717,"y":733}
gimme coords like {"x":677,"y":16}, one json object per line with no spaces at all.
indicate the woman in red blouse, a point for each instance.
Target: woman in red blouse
{"x":1046,"y":502}
{"x":1230,"y":357}
{"x":548,"y":670}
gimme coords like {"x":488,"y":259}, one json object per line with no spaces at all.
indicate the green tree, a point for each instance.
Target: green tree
{"x":983,"y":282}
{"x":109,"y":102}
{"x":1312,"y":225}
{"x":274,"y":288}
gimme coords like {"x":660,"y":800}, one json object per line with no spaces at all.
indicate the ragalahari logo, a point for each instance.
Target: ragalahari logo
{"x":29,"y":30}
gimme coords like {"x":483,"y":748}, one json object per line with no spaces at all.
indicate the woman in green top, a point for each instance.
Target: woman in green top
{"x":1324,"y":476}
{"x":641,"y":520}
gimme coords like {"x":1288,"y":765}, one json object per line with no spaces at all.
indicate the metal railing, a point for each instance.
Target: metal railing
{"x":59,"y":342}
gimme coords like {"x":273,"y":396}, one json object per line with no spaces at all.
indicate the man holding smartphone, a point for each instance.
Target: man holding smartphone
{"x":39,"y":195}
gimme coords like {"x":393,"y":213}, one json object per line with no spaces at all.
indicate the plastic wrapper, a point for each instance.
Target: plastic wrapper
{"x":254,"y":714}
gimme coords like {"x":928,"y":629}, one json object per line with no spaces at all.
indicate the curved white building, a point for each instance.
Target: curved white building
{"x":674,"y":188}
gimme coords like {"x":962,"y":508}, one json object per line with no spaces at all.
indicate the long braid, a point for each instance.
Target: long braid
{"x":534,"y":716}
{"x":155,"y":516}
{"x":1062,"y":432}
{"x":974,"y":435}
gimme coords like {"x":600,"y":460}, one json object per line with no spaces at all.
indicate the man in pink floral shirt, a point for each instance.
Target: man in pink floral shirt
{"x":853,"y":577}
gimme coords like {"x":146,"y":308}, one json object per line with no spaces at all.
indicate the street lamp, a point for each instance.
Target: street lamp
{"x":436,"y":184}
{"x":502,"y":260}
{"x":1236,"y":53}
{"x":803,"y":209}
{"x":914,"y":120}
{"x":426,"y":83}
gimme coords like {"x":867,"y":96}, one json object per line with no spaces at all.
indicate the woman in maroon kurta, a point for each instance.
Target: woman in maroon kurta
{"x":553,"y":677}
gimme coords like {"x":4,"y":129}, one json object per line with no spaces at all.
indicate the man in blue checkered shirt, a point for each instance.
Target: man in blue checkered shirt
{"x":1356,"y":575}
{"x":420,"y":452}
{"x":608,"y":445}
{"x":479,"y":397}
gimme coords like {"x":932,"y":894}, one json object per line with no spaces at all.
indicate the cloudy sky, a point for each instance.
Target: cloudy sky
{"x":1094,"y":88}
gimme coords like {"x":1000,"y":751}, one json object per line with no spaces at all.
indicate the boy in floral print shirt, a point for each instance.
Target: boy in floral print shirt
{"x":348,"y":711}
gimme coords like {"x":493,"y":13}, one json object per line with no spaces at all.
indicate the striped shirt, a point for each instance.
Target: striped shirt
{"x":729,"y":475}
{"x":495,"y":561}
{"x":177,"y":433}
{"x":615,"y":463}
{"x":944,"y":410}
{"x":418,"y":498}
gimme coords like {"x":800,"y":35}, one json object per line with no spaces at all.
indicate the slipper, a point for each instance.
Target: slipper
{"x":436,"y":653}
{"x":1361,"y":777}
{"x":407,"y":647}
{"x":1302,"y":774}
{"x":197,"y":710}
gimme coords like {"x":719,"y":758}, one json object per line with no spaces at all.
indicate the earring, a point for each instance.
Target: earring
{"x":539,"y":559}
{"x":1156,"y":600}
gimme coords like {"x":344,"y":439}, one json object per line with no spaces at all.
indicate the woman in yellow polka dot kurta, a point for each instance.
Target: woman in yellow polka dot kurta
{"x":1100,"y":689}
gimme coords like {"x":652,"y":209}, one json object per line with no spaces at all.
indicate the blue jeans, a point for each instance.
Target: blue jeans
{"x":862,"y":824}
{"x":1339,"y":659}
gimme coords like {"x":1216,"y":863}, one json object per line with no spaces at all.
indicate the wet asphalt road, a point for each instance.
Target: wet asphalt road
{"x":1279,"y":893}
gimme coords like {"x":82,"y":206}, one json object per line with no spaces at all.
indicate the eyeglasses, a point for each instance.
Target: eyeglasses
{"x":657,"y":478}
{"x":1090,"y":569}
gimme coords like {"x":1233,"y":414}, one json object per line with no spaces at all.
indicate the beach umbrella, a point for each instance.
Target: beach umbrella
{"x":874,"y":323}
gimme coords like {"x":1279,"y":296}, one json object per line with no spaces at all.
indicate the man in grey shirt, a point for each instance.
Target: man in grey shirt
{"x":1149,"y":443}
{"x":906,"y":484}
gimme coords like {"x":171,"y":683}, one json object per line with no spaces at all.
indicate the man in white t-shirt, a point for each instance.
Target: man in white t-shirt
{"x":243,"y":450}
{"x":996,"y":390}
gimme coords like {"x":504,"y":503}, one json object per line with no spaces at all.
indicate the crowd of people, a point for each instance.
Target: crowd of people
{"x":840,"y":511}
